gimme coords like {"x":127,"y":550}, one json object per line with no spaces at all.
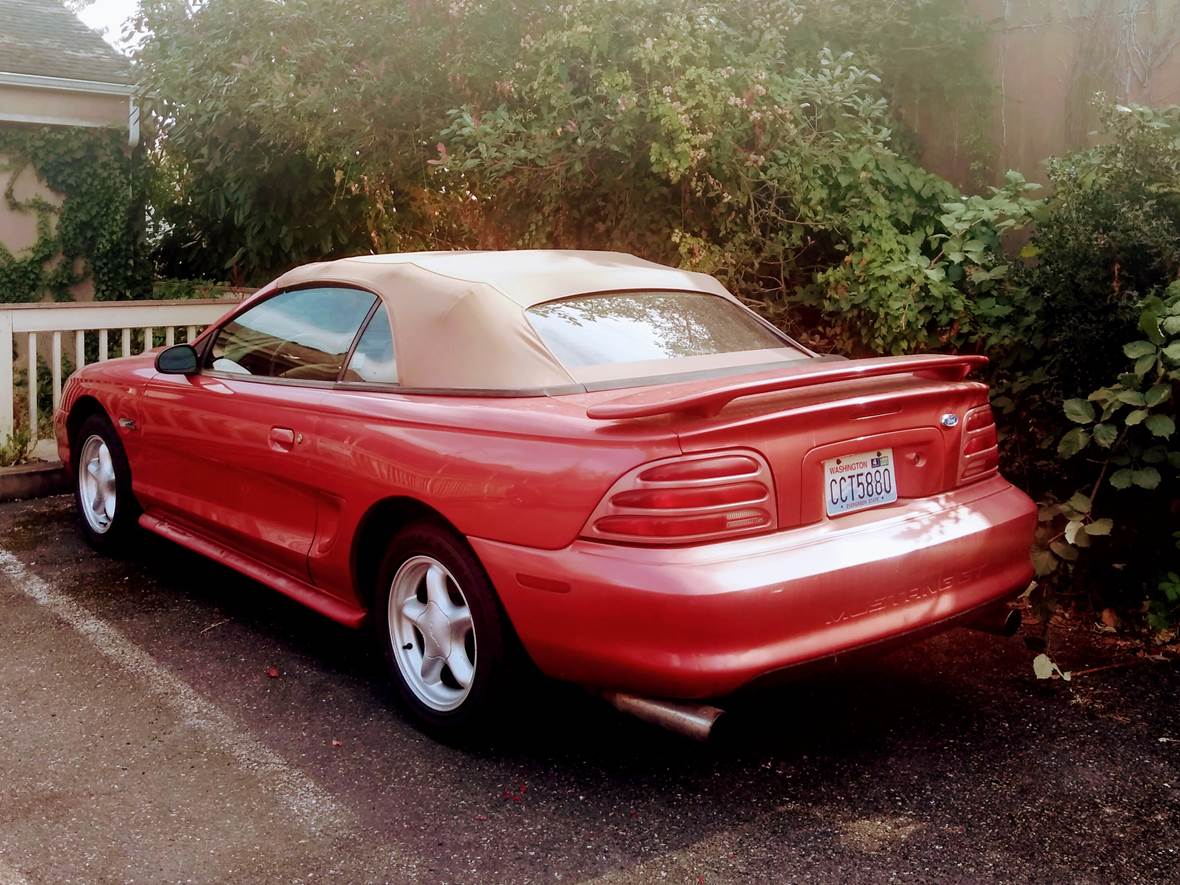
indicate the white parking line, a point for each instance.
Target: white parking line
{"x":306,"y":800}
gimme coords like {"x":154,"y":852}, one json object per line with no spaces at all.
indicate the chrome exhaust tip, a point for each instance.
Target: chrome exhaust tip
{"x":1000,"y":621}
{"x":695,"y":721}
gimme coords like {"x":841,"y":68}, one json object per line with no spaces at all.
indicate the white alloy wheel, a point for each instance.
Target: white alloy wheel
{"x":432,"y":633}
{"x":97,"y":487}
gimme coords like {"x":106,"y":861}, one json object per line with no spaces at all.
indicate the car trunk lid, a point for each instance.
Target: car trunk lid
{"x":801,"y":417}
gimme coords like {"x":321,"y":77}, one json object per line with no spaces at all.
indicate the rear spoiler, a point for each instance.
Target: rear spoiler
{"x":708,"y":401}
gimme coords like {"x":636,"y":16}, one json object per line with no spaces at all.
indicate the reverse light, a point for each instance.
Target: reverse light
{"x":980,"y":455}
{"x":688,"y":499}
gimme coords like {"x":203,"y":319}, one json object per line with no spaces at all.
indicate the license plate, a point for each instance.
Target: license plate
{"x":854,"y":482}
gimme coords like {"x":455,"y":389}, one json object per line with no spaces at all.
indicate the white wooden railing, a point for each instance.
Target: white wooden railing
{"x":68,"y":324}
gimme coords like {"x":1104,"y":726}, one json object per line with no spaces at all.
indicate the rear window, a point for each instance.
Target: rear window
{"x":630,"y":327}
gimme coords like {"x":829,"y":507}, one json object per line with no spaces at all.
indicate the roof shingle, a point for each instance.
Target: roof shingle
{"x":43,"y":37}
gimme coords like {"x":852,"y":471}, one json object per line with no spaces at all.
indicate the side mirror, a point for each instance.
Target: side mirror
{"x":179,"y":359}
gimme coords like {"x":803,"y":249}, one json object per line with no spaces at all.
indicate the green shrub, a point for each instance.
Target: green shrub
{"x":166,"y":289}
{"x":594,"y":123}
{"x":16,"y":448}
{"x":1111,"y":237}
{"x":1126,"y":432}
{"x":728,"y":141}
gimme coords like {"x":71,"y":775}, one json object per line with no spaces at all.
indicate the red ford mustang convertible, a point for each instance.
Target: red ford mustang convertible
{"x":604,"y":465}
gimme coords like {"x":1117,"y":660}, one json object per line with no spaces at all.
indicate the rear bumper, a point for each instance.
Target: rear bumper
{"x":704,"y":621}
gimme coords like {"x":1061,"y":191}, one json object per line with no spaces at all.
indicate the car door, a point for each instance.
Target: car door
{"x":230,"y":451}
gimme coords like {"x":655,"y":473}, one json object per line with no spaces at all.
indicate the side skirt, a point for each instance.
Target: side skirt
{"x":300,"y":591}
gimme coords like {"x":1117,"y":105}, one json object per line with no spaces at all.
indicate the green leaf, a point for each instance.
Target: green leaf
{"x":1121,"y":479}
{"x":1079,"y":502}
{"x":1105,"y":435}
{"x":1146,"y":478}
{"x":1071,"y":530}
{"x":1154,"y":455}
{"x":1172,"y":352}
{"x":1073,"y":442}
{"x":1137,"y":349}
{"x":1135,"y":417}
{"x":1066,"y":551}
{"x":1145,"y":364}
{"x":1160,"y":425}
{"x":1004,"y":404}
{"x":1079,"y":411}
{"x":1132,"y":398}
{"x":1100,"y":526}
{"x":1044,"y":562}
{"x":1149,"y":320}
{"x":1157,"y":394}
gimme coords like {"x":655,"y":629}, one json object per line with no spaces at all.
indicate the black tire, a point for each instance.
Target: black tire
{"x":124,"y":521}
{"x":497,"y":654}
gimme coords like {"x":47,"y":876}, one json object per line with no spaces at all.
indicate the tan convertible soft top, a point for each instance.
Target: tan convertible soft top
{"x":459,"y":317}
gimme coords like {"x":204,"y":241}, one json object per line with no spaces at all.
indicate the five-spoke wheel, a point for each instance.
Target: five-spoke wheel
{"x":451,"y":653}
{"x":432,"y":633}
{"x":97,"y":491}
{"x":107,"y":509}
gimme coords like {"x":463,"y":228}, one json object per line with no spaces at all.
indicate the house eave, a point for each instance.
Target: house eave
{"x":65,"y":84}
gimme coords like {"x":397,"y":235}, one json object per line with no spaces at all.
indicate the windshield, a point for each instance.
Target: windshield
{"x":632,"y":327}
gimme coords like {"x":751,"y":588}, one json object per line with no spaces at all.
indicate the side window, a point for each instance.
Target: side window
{"x":303,"y":334}
{"x":374,"y":358}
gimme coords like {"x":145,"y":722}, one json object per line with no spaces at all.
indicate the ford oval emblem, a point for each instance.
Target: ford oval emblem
{"x":949,"y":420}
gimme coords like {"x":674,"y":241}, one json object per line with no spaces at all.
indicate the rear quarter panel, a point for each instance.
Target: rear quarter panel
{"x":526,"y":471}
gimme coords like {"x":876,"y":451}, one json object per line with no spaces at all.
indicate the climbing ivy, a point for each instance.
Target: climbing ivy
{"x":97,"y":229}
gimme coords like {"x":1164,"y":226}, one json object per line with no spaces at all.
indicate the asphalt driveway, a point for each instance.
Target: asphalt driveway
{"x":163,"y":719}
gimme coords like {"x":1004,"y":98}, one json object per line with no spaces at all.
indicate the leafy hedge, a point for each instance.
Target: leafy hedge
{"x":364,"y":103}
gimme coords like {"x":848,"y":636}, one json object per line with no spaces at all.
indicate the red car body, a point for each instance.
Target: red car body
{"x":298,"y":484}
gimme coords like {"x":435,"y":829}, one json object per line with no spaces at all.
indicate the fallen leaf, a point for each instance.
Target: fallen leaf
{"x":1109,"y":617}
{"x":272,"y":671}
{"x":337,"y":743}
{"x":1044,"y":668}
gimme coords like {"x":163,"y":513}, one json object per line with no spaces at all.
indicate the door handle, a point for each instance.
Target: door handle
{"x":282,"y":439}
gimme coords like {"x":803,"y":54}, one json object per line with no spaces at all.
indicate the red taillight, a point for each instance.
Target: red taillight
{"x":980,"y":454}
{"x":977,"y":419}
{"x":673,"y":499}
{"x":721,"y":467}
{"x":691,"y":499}
{"x":984,"y":439}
